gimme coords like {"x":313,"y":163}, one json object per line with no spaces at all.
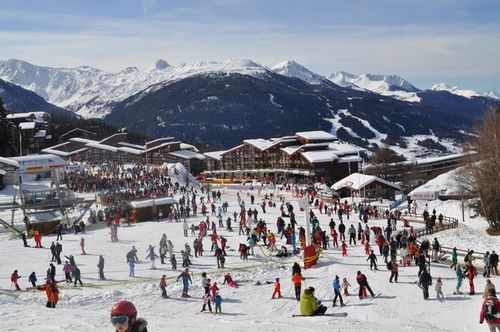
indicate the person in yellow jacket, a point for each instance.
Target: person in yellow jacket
{"x":309,"y":304}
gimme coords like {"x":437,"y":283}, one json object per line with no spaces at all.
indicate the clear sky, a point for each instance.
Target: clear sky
{"x":426,"y":41}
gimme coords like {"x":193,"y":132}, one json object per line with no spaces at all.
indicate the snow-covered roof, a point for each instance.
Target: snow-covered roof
{"x":445,"y":184}
{"x":39,"y":157}
{"x":162,"y":145}
{"x":130,"y":145}
{"x":9,"y":161}
{"x":185,"y":146}
{"x":40,"y":134}
{"x":358,"y":181}
{"x":342,"y":148}
{"x":432,"y":160}
{"x":349,"y":159}
{"x":232,"y":149}
{"x":82,"y":140}
{"x":215,"y":154}
{"x":291,"y":149}
{"x":38,"y":115}
{"x":187,"y":154}
{"x":259,"y":143}
{"x":27,"y":125}
{"x":150,"y":202}
{"x":62,"y":153}
{"x":316,"y":135}
{"x":102,"y":146}
{"x":130,"y":150}
{"x":320,"y":156}
{"x":161,"y":139}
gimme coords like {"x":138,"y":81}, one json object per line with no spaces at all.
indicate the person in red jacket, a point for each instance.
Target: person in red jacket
{"x":334,"y":237}
{"x":277,"y":289}
{"x":344,"y":248}
{"x":13,"y":278}
{"x":163,"y":286}
{"x":38,"y":239}
{"x":214,"y":238}
{"x":492,"y":320}
{"x":471,"y":273}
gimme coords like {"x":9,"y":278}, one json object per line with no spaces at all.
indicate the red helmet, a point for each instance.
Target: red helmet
{"x":124,"y":308}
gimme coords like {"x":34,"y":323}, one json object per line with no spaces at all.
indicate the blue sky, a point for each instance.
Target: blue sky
{"x":423,"y":41}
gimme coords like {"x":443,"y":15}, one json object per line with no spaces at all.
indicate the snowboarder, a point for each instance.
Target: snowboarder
{"x":309,"y":304}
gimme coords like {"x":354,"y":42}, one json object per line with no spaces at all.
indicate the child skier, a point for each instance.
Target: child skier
{"x":345,"y":286}
{"x":218,"y":302}
{"x":163,"y":286}
{"x":173,"y":261}
{"x":277,"y":289}
{"x":367,"y":249}
{"x":13,"y":278}
{"x":439,"y":292}
{"x":344,"y":249}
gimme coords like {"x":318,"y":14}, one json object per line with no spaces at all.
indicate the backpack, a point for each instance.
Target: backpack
{"x":490,"y":311}
{"x":389,"y":266}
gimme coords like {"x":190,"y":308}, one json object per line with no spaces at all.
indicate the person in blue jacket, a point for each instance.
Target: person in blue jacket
{"x":32,"y":278}
{"x":336,"y":289}
{"x":186,"y":280}
{"x":131,"y":266}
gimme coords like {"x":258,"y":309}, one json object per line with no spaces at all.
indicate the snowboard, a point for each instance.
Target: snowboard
{"x":337,"y":314}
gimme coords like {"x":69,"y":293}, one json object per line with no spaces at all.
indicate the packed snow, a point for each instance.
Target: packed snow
{"x":399,"y":307}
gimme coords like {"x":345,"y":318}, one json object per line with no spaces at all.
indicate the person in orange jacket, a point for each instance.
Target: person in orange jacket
{"x":277,"y":289}
{"x":13,"y":278}
{"x":52,"y":293}
{"x":297,"y":279}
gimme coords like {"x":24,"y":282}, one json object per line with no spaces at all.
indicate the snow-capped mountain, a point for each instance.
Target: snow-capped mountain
{"x":464,"y":92}
{"x":386,"y":85}
{"x":91,"y":92}
{"x":291,"y":68}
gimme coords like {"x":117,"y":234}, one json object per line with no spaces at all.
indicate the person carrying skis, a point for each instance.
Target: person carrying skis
{"x":277,"y":289}
{"x":363,"y":283}
{"x":163,"y":287}
{"x":336,"y":290}
{"x":373,"y":260}
{"x":186,"y":280}
{"x":297,"y":283}
{"x":14,"y":277}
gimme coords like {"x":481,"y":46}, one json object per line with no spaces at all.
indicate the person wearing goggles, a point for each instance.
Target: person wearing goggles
{"x":124,"y":318}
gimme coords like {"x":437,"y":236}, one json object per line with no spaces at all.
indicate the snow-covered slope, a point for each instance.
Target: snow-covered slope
{"x":386,"y":85}
{"x":291,"y":68}
{"x":464,"y":92}
{"x":89,"y":91}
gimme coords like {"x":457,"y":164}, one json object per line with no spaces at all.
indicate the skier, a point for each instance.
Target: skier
{"x":38,"y":239}
{"x":13,"y":278}
{"x":490,"y":310}
{"x":25,"y":242}
{"x":51,"y":273}
{"x":438,"y":287}
{"x":131,"y":266}
{"x":152,"y":256}
{"x":52,"y":293}
{"x":425,"y":281}
{"x":471,"y":273}
{"x":163,"y":287}
{"x":336,"y":290}
{"x":352,"y":235}
{"x":218,"y":304}
{"x":345,"y":286}
{"x":363,"y":282}
{"x":32,"y":278}
{"x":344,"y":249}
{"x":459,"y":274}
{"x":67,"y":269}
{"x":124,"y":318}
{"x":186,"y":280}
{"x":297,"y":282}
{"x":373,"y":260}
{"x":100,"y":265}
{"x":277,"y":289}
{"x":77,"y":275}
{"x":173,"y":262}
{"x":393,"y":267}
{"x":82,"y":245}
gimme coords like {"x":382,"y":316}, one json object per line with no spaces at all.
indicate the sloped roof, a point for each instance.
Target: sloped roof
{"x":316,"y":135}
{"x":320,"y":156}
{"x":358,"y":181}
{"x":187,"y":154}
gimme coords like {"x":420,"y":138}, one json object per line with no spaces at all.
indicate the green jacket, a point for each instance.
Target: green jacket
{"x":308,"y":303}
